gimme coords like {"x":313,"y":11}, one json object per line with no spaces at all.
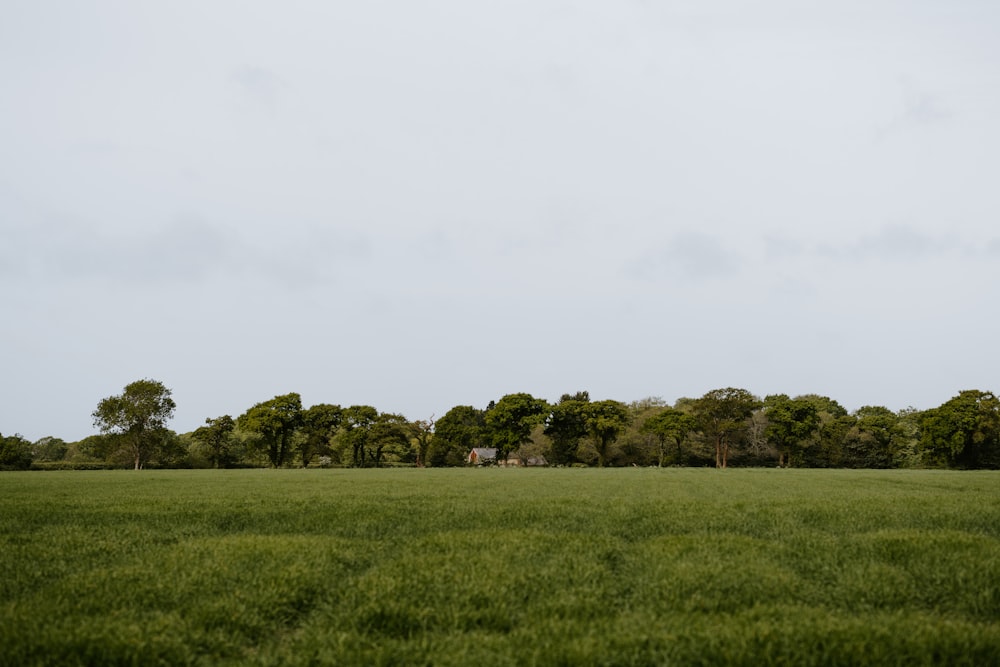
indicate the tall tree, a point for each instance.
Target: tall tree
{"x":456,"y":433}
{"x":215,"y":435}
{"x":671,"y":427}
{"x":274,"y":422}
{"x":511,"y":420}
{"x":830,"y":442}
{"x":422,"y":431}
{"x":722,"y":415}
{"x":15,"y":452}
{"x":637,"y":445}
{"x":390,"y":433}
{"x":964,"y":432}
{"x":319,"y":426}
{"x":138,"y":418}
{"x":49,"y":449}
{"x":875,"y":437}
{"x":604,"y":421}
{"x":566,"y":425}
{"x":93,"y":448}
{"x":791,"y":425}
{"x":355,"y":430}
{"x":907,"y":443}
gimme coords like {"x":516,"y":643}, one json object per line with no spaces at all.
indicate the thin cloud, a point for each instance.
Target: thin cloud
{"x":892,"y":242}
{"x":257,"y":85}
{"x":183,"y":250}
{"x":782,"y":247}
{"x":64,"y":248}
{"x":917,"y":107}
{"x":691,"y":256}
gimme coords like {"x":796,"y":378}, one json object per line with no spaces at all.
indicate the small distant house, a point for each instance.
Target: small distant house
{"x":480,"y":456}
{"x":515,"y":461}
{"x":483,"y":456}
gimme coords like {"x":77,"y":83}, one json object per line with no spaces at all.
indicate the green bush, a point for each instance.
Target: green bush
{"x":15,"y":453}
{"x":72,"y":465}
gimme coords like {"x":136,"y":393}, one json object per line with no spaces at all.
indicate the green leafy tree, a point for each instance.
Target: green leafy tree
{"x":791,"y":425}
{"x":15,"y":452}
{"x":320,"y":424}
{"x":389,"y":434}
{"x":604,"y":422}
{"x":907,"y":454}
{"x":670,"y":427}
{"x":511,"y":420}
{"x":964,"y":432}
{"x":757,"y":446}
{"x":93,"y":448}
{"x":172,"y":452}
{"x":538,"y":448}
{"x":422,"y":432}
{"x":245,"y":448}
{"x":875,"y":437}
{"x":644,"y":407}
{"x":49,"y":449}
{"x":355,"y":430}
{"x":456,"y":433}
{"x":723,"y":416}
{"x":137,"y":418}
{"x":216,"y":435}
{"x":274,"y":422}
{"x":636,"y":445}
{"x":566,"y":425}
{"x":829,"y":444}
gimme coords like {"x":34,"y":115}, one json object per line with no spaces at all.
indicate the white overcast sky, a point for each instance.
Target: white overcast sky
{"x":417,"y":205}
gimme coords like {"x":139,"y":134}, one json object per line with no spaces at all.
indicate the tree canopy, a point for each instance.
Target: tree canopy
{"x":670,"y":426}
{"x":722,"y":414}
{"x":137,"y":418}
{"x":455,"y":434}
{"x":566,"y":425}
{"x":15,"y":452}
{"x":356,"y":425}
{"x":604,"y":421}
{"x":791,"y":424}
{"x":964,"y":432}
{"x":512,"y":419}
{"x":215,"y":435}
{"x":320,"y":424}
{"x":274,"y":422}
{"x":726,"y":426}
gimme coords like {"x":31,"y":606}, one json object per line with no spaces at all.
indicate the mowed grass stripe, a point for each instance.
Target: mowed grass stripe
{"x":491,"y":566}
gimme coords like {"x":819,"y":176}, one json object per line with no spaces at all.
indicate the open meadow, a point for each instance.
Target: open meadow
{"x":500,"y":567}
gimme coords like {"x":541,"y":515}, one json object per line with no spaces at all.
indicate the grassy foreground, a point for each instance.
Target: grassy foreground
{"x":500,"y":567}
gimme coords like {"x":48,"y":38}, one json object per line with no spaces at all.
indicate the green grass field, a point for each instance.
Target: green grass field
{"x":500,"y":567}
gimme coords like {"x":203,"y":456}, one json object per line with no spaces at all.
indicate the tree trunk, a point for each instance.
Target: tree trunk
{"x":718,"y":452}
{"x":602,"y":448}
{"x":272,"y":453}
{"x":284,"y":447}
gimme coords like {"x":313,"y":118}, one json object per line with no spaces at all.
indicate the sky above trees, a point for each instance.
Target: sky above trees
{"x":422,"y":205}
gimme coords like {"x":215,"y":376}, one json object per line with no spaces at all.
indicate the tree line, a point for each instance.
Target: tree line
{"x":726,"y":426}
